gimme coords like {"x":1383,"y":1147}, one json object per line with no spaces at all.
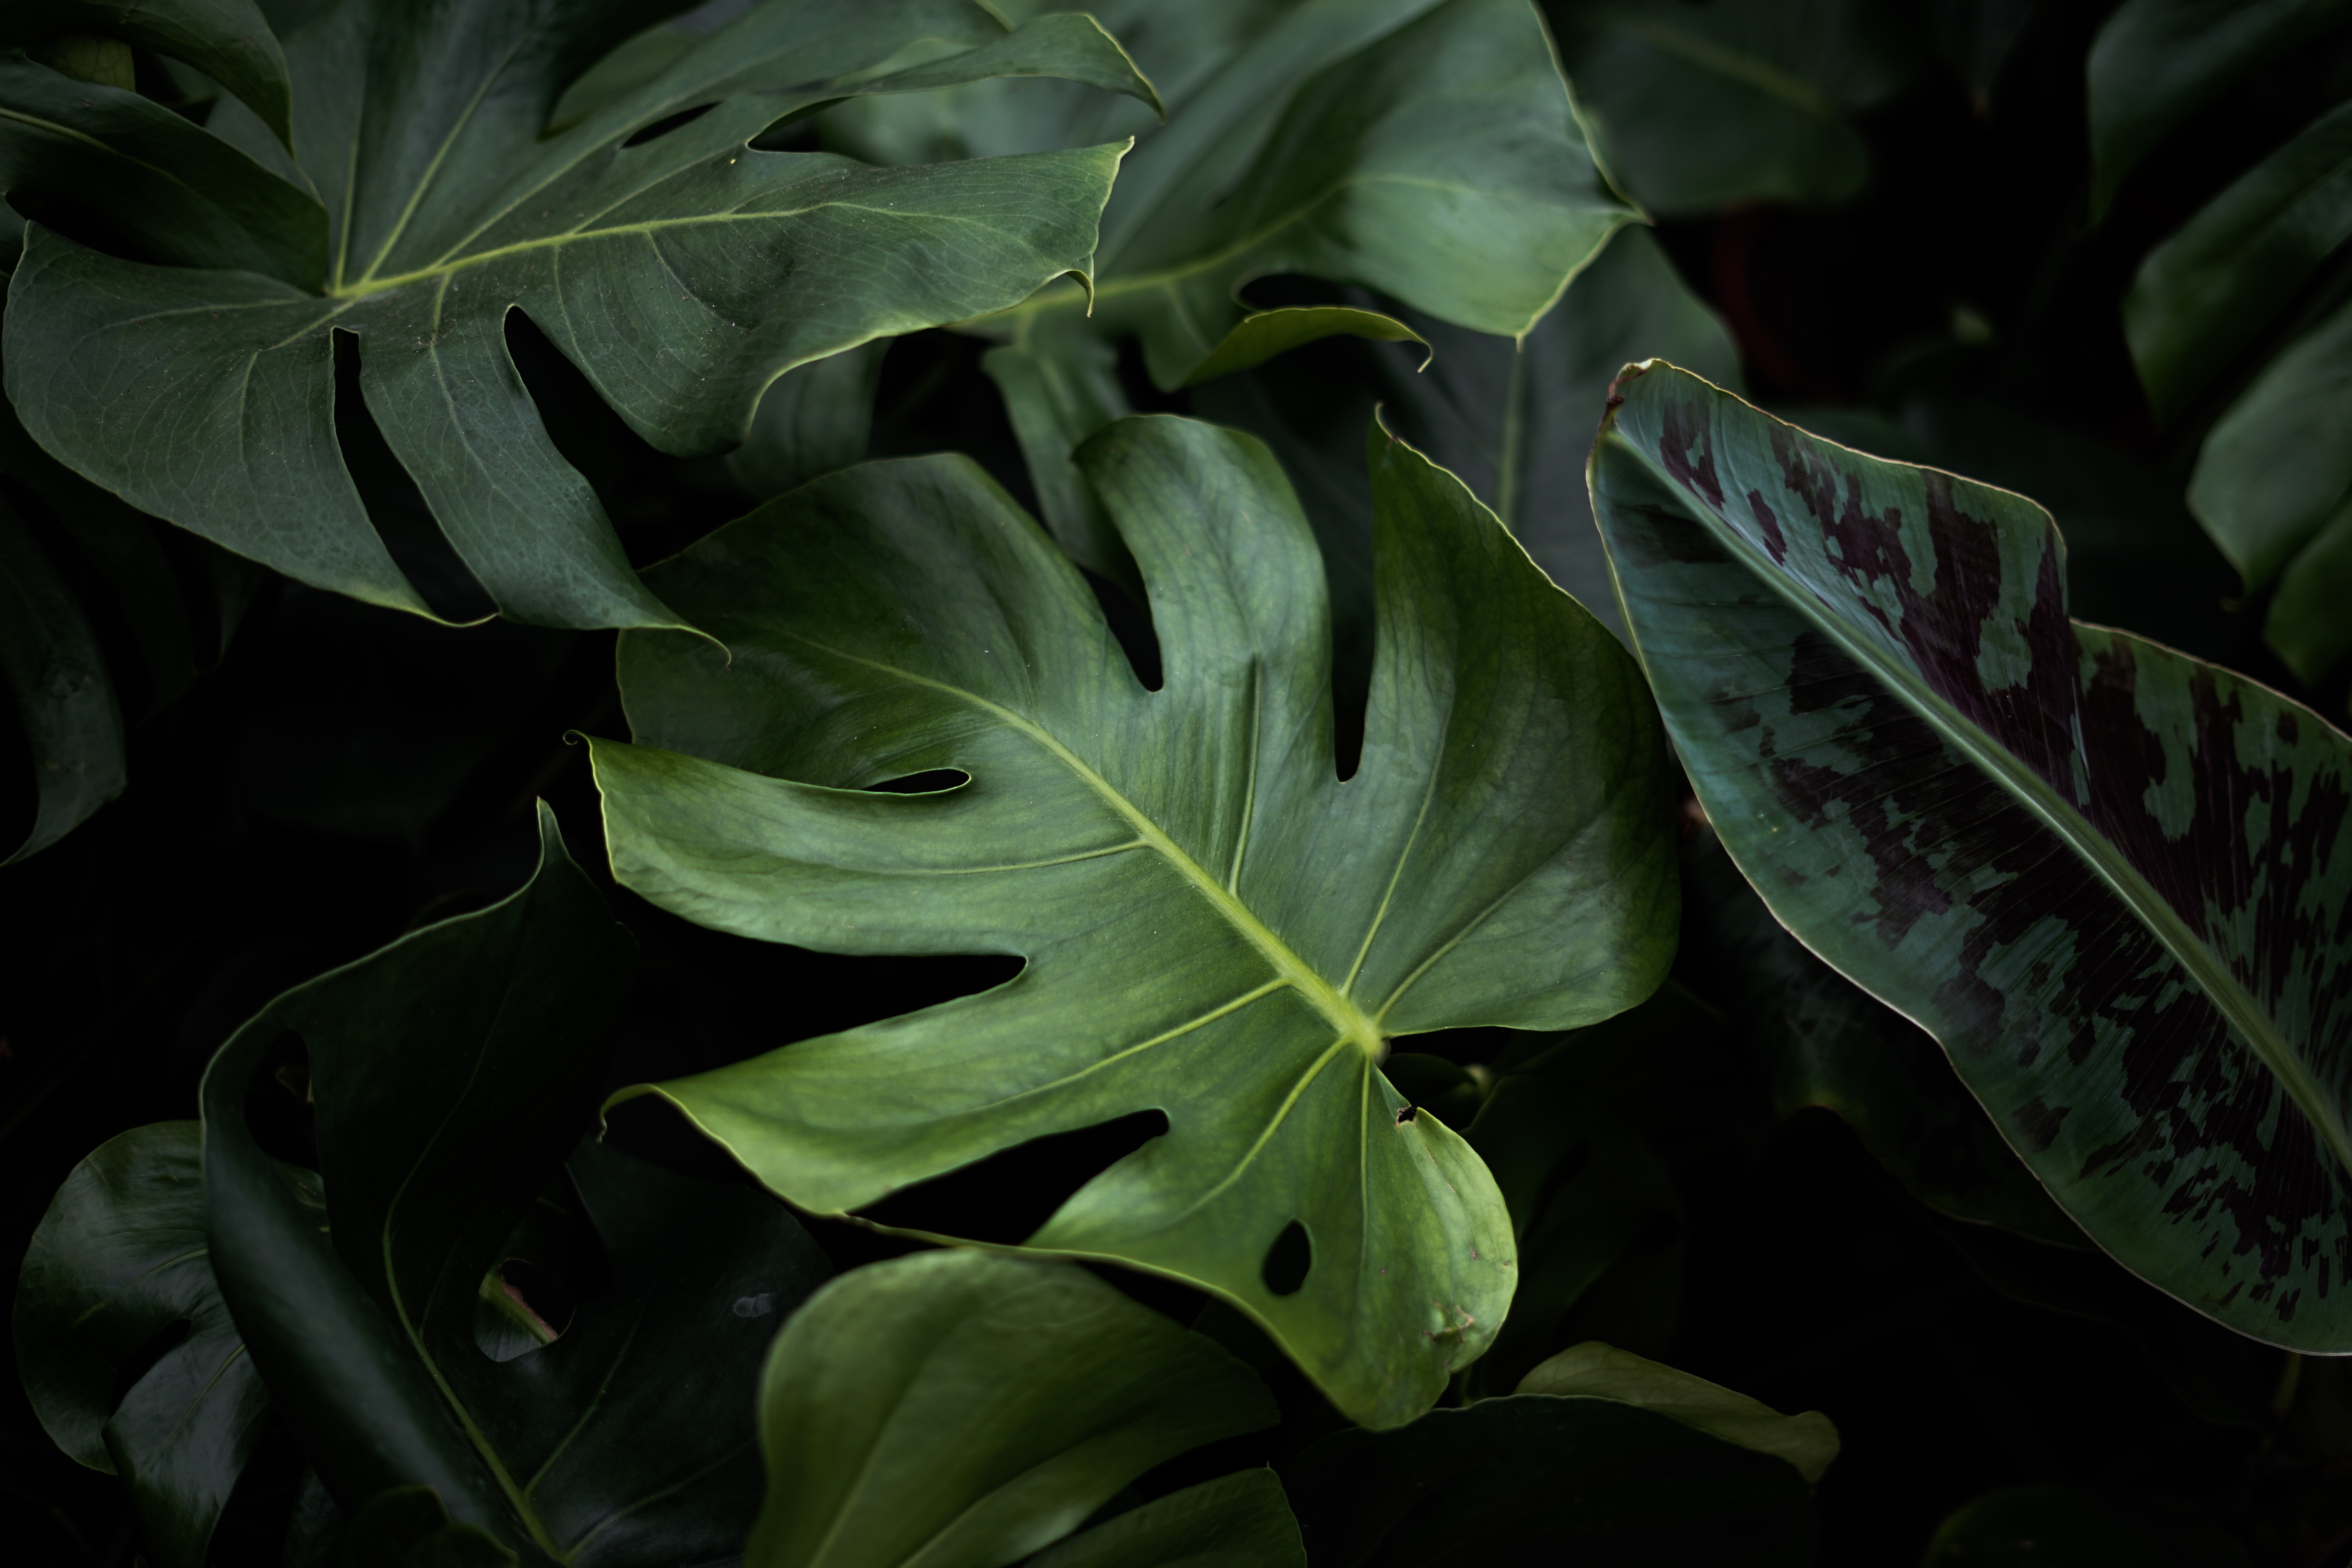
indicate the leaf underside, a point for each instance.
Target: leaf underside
{"x":2112,"y":881}
{"x":1215,"y":926}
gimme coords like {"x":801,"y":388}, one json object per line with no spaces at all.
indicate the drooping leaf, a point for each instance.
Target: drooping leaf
{"x":2106,"y":876}
{"x":1537,"y":1478}
{"x":1808,"y":1441}
{"x":1215,"y":926}
{"x":2157,"y":62}
{"x":968,"y":1408}
{"x":119,"y":1265}
{"x":679,"y":268}
{"x":1822,"y":1041}
{"x":1696,"y":107}
{"x":1425,"y":151}
{"x":2206,"y":295}
{"x":452,"y":1072}
{"x":64,"y":697}
{"x":2273,"y":487}
{"x":228,"y":40}
{"x":1240,"y":1521}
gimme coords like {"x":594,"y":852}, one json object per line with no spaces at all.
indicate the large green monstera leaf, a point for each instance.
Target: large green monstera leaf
{"x":1216,"y":925}
{"x":678,"y":265}
{"x":2110,"y":880}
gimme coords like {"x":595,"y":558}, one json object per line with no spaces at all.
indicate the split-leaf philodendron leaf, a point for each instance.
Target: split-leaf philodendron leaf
{"x":1216,"y":926}
{"x":2110,"y":880}
{"x":452,"y":1072}
{"x":679,"y":268}
{"x":120,"y":1258}
{"x":968,"y":1408}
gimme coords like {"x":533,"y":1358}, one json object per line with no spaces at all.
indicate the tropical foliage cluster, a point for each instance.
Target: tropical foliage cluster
{"x":1283,"y":783}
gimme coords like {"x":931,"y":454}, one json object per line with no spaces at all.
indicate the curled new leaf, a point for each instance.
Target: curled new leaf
{"x":2110,"y":880}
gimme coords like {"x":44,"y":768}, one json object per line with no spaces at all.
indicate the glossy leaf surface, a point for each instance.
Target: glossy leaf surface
{"x":1216,"y":925}
{"x":1240,"y":1521}
{"x":2273,"y":488}
{"x":1808,"y":1441}
{"x":2206,"y":295}
{"x":2157,"y":62}
{"x":452,"y":1072}
{"x":1694,"y":107}
{"x":677,"y":267}
{"x":962,"y":1409}
{"x":118,"y":1263}
{"x":1536,"y":1477}
{"x":2107,"y":878}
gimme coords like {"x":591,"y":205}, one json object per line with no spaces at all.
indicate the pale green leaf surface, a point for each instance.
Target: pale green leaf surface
{"x":1216,"y":925}
{"x":681,"y":274}
{"x":1808,"y":1441}
{"x":961,"y":1409}
{"x":2206,"y":295}
{"x":2273,"y":487}
{"x":2156,"y":62}
{"x":1240,"y":1521}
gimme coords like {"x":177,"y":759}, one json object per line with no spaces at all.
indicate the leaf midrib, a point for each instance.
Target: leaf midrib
{"x":2092,"y":846}
{"x":1341,"y":1013}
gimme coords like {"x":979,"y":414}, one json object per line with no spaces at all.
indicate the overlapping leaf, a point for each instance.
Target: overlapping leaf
{"x":2107,"y":878}
{"x":967,"y":1407}
{"x":117,"y":1265}
{"x":679,"y":268}
{"x":1216,"y":926}
{"x":452,"y":1074}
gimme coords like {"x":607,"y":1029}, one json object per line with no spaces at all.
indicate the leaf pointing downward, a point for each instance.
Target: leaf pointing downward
{"x":1216,"y":925}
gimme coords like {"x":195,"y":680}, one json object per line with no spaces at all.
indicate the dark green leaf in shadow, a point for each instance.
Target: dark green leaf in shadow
{"x":966,"y":1408}
{"x":118,"y":1267}
{"x":811,"y":421}
{"x":2273,"y":487}
{"x":1539,"y":1479}
{"x":64,"y":696}
{"x":228,"y":40}
{"x":2074,"y":1527}
{"x":1807,"y":1441}
{"x":452,"y":1072}
{"x":1823,"y":1041}
{"x":1216,"y":926}
{"x":2156,"y":62}
{"x":2207,"y":295}
{"x":2106,"y":877}
{"x":681,"y":269}
{"x":1240,"y":1521}
{"x":408,"y":1528}
{"x":1696,"y":107}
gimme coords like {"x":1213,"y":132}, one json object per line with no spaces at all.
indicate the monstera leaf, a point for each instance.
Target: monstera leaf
{"x":1240,"y":1521}
{"x":1696,"y":107}
{"x":119,"y":1268}
{"x":2107,"y":878}
{"x":969,"y":1408}
{"x":452,"y":1074}
{"x":678,"y":267}
{"x":1216,"y":926}
{"x":1425,"y":151}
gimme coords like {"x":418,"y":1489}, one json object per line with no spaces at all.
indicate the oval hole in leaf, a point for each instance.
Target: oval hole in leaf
{"x":667,"y":123}
{"x":1008,"y":1196}
{"x":1288,"y":1260}
{"x":929,"y":782}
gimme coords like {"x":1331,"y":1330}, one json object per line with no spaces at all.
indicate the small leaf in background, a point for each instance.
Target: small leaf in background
{"x":1537,"y":1478}
{"x":2074,"y":1527}
{"x":2105,"y":876}
{"x":51,"y":658}
{"x":2156,"y":62}
{"x":678,"y":267}
{"x":1807,"y":1441}
{"x":117,"y":1284}
{"x":452,"y":1072}
{"x":1216,"y":926}
{"x":970,"y":1408}
{"x":1240,"y":1521}
{"x":1694,"y":107}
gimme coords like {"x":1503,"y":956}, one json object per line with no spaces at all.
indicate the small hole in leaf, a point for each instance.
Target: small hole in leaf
{"x":929,"y":782}
{"x":666,"y":124}
{"x":1287,"y":1260}
{"x":141,"y":1361}
{"x":1404,"y":1114}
